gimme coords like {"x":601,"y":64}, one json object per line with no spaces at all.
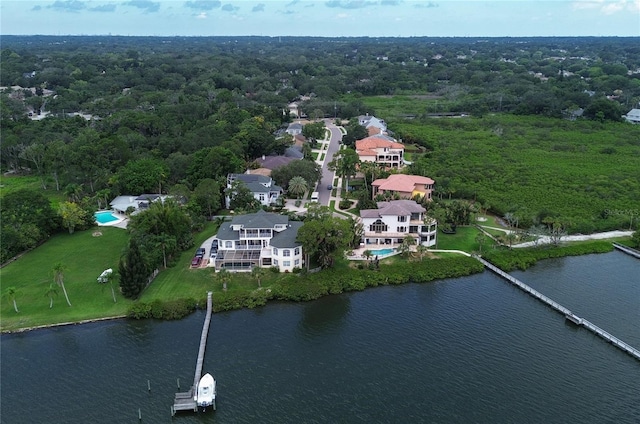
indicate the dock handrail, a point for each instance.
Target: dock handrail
{"x":566,"y":312}
{"x":185,"y":401}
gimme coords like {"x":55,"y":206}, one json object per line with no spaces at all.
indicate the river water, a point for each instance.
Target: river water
{"x":466,"y":350}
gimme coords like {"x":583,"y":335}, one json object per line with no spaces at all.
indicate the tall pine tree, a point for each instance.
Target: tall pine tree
{"x":133,"y":271}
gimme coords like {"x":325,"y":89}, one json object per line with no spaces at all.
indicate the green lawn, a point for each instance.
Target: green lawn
{"x":85,"y":257}
{"x":13,"y":183}
{"x":464,"y":239}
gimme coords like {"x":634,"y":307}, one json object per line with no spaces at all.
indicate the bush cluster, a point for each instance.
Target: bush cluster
{"x":508,"y":260}
{"x":333,"y":281}
{"x":159,"y":309}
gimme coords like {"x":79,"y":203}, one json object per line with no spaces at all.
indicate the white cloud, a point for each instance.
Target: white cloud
{"x":201,"y":15}
{"x":611,"y":8}
{"x":342,"y":15}
{"x":607,"y":7}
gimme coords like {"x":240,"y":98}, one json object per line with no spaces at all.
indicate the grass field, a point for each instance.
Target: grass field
{"x":10,"y":184}
{"x":85,"y":257}
{"x":464,"y":239}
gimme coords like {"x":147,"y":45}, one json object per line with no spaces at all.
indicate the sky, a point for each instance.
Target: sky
{"x":326,"y":18}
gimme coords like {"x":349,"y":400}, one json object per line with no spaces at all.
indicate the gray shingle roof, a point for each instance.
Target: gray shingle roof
{"x":260,"y":219}
{"x":251,"y":178}
{"x":287,"y":238}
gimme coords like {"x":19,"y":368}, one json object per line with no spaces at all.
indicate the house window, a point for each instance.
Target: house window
{"x":286,"y":252}
{"x":378,"y":226}
{"x":296,"y":251}
{"x":275,"y":262}
{"x":297,"y":262}
{"x":261,"y":197}
{"x":286,"y":263}
{"x":402,"y":229}
{"x":402,"y":219}
{"x":228,"y":244}
{"x":275,"y":250}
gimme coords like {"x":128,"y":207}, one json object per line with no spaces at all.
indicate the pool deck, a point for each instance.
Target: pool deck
{"x":358,"y":254}
{"x":121,"y":222}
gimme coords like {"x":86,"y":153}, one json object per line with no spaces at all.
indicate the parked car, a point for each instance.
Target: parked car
{"x":200,"y":252}
{"x":329,"y":187}
{"x":196,"y":261}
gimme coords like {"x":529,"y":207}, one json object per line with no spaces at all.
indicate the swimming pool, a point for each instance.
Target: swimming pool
{"x":381,"y":252}
{"x":105,"y":217}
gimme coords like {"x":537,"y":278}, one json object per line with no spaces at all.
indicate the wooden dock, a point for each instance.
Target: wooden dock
{"x":570,"y":316}
{"x":627,"y":250}
{"x":186,"y":401}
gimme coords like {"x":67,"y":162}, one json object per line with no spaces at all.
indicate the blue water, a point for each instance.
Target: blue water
{"x":464,"y":350}
{"x":105,"y":217}
{"x":381,"y":251}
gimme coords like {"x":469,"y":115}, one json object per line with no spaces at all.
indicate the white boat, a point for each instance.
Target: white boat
{"x":206,"y":391}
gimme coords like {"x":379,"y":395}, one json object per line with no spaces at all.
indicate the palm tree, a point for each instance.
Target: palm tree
{"x":297,"y":186}
{"x":11,"y":293}
{"x":421,"y":249}
{"x":367,"y":254}
{"x":480,"y":239}
{"x":58,"y":278}
{"x":50,"y":293}
{"x":110,"y":278}
{"x":406,"y":244}
{"x":257,"y":273}
{"x":223,"y":277}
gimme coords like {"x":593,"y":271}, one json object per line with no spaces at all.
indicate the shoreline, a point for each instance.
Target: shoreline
{"x":595,"y":236}
{"x":60,"y":324}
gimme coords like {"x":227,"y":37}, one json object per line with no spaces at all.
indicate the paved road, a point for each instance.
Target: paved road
{"x":328,"y":176}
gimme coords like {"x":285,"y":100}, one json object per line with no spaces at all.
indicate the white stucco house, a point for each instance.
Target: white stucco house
{"x":137,"y":203}
{"x":633,"y":116}
{"x":262,"y":187}
{"x":294,"y":128}
{"x":392,"y":221}
{"x":369,"y":121}
{"x":261,"y":239}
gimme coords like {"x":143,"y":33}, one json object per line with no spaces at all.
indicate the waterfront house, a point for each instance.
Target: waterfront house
{"x":405,"y":186}
{"x":261,"y":239}
{"x":392,"y":221}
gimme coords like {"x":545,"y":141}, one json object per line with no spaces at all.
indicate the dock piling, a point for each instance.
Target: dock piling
{"x":566,"y":312}
{"x":185,"y":401}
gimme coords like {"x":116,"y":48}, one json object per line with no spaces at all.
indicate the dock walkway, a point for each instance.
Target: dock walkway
{"x":186,"y":401}
{"x":627,"y":250}
{"x":566,"y":312}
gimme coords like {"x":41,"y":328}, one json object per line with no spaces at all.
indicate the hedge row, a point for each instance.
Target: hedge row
{"x":508,"y":260}
{"x":163,"y":309}
{"x":305,"y":287}
{"x":313,"y":286}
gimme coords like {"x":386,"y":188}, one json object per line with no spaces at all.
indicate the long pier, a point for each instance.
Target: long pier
{"x":186,"y":401}
{"x":570,"y":316}
{"x":627,"y":250}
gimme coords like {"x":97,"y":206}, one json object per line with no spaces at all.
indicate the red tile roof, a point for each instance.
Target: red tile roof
{"x":401,"y":182}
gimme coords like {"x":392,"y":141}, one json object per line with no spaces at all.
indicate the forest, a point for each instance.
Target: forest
{"x":94,"y":117}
